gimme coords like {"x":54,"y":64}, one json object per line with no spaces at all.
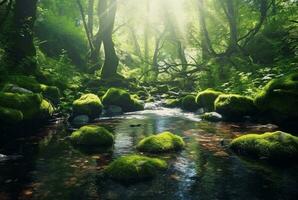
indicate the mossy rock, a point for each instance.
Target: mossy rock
{"x":10,"y":116}
{"x":121,"y":98}
{"x":51,"y":93}
{"x":163,"y":142}
{"x":234,"y":107}
{"x":133,"y":168}
{"x":211,"y":116}
{"x":206,"y":99}
{"x":92,"y":135}
{"x":32,"y":106}
{"x":278,"y":101}
{"x":88,"y":104}
{"x":189,"y":103}
{"x":172,"y":103}
{"x":274,"y":146}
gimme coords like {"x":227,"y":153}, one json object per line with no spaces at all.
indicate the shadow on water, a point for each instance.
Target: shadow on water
{"x":51,"y":168}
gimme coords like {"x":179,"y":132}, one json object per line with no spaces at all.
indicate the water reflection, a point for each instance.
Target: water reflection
{"x":53,"y":169}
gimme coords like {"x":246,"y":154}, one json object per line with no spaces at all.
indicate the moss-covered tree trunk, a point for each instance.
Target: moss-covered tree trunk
{"x":111,"y":62}
{"x":21,"y":51}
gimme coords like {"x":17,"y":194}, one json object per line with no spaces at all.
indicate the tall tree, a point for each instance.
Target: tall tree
{"x":21,"y":52}
{"x":111,"y":62}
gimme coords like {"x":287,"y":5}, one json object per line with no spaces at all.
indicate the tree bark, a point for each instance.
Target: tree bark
{"x":111,"y":62}
{"x":207,"y":49}
{"x":22,"y":51}
{"x":90,"y":17}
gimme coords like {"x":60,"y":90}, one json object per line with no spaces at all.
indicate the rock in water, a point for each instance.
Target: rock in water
{"x":113,"y":110}
{"x":80,"y":120}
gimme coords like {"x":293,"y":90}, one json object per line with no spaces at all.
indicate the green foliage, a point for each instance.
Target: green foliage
{"x":59,"y":34}
{"x":121,"y":98}
{"x":234,"y":107}
{"x":279,"y":98}
{"x":189,"y":103}
{"x":277,"y":146}
{"x":92,"y":136}
{"x":134,"y":168}
{"x":162,"y":142}
{"x":206,"y":99}
{"x":88,"y":104}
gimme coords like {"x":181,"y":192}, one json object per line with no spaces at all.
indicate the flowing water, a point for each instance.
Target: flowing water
{"x":51,"y":168}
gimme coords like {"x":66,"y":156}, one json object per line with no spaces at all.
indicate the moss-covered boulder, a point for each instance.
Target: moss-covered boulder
{"x":274,"y":146}
{"x":206,"y":99}
{"x":163,"y":142}
{"x":172,"y":103}
{"x":88,"y":104}
{"x":92,"y":135}
{"x":121,"y":98}
{"x":234,"y":107}
{"x":10,"y":116}
{"x":32,"y":106}
{"x":134,"y":168}
{"x":278,"y":101}
{"x":189,"y":103}
{"x":51,"y":93}
{"x":211,"y":116}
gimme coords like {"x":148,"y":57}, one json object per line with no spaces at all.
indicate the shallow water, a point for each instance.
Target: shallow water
{"x":51,"y":168}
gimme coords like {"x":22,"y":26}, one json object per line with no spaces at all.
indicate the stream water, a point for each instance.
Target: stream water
{"x":51,"y":168}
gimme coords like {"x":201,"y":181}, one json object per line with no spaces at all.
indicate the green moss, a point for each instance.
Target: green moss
{"x":279,"y":99}
{"x":121,"y":98}
{"x":134,"y":168}
{"x":189,"y":103}
{"x":211,"y":116}
{"x":206,"y":99}
{"x":88,"y":104}
{"x":234,"y":107}
{"x":92,"y":136}
{"x":10,"y":116}
{"x":162,"y":142}
{"x":50,"y":92}
{"x":32,"y":106}
{"x":172,"y":103}
{"x":274,"y":146}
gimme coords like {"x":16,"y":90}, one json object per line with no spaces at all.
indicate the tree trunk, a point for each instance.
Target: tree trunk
{"x":22,"y":52}
{"x":231,"y":15}
{"x":90,"y":17}
{"x":207,"y":49}
{"x":146,"y":39}
{"x":111,"y":62}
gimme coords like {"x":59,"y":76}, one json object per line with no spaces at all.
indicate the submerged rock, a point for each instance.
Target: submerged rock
{"x":163,"y":142}
{"x":211,"y":116}
{"x":121,"y":98}
{"x":113,"y":110}
{"x":189,"y":103}
{"x":276,"y":146}
{"x":206,"y":99}
{"x":80,"y":120}
{"x":278,"y":101}
{"x":134,"y":168}
{"x":88,"y":104}
{"x":234,"y":107}
{"x":92,"y":135}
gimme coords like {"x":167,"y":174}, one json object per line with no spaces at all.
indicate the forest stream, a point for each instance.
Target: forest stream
{"x":47,"y":166}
